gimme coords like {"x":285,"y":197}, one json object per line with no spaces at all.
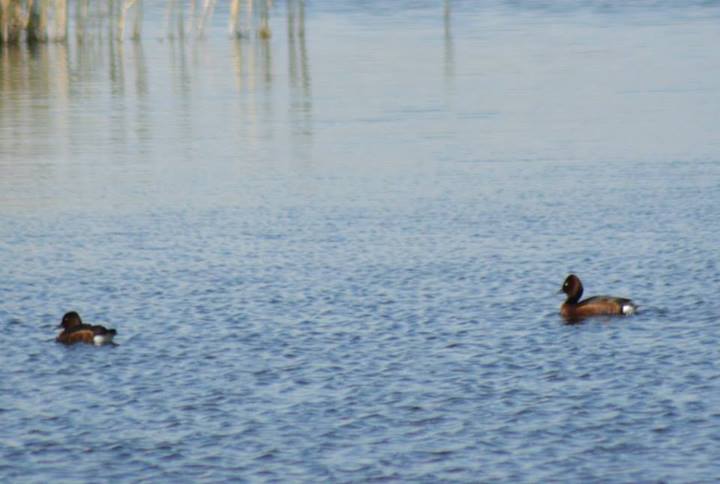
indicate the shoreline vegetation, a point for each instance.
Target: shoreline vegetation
{"x":44,"y":21}
{"x":91,"y":59}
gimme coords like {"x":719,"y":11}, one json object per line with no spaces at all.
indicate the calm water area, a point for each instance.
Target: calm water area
{"x":333,"y":255}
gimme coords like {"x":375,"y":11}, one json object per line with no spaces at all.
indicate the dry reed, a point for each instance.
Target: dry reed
{"x":47,"y":20}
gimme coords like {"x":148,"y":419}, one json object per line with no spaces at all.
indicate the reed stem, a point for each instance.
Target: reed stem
{"x":48,"y":20}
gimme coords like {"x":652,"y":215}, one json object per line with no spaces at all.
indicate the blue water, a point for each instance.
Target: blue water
{"x":336,"y":258}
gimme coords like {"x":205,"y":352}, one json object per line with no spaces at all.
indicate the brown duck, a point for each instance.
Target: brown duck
{"x":573,"y":309}
{"x":75,"y":331}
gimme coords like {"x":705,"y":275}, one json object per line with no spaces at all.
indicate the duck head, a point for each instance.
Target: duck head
{"x":70,"y":320}
{"x":573,"y":288}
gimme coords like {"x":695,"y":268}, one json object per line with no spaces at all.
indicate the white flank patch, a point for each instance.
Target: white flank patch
{"x":628,"y":309}
{"x":101,"y":339}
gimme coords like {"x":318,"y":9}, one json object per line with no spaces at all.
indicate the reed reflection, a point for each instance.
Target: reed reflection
{"x":449,"y":49}
{"x":42,"y":84}
{"x":299,"y":68}
{"x":30,"y":74}
{"x":253,"y":63}
{"x":103,"y":91}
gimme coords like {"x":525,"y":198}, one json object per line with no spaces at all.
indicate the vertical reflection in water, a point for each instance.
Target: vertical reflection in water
{"x":266,"y":66}
{"x":176,"y":19}
{"x":244,"y":73}
{"x":299,"y":71}
{"x":264,"y":31}
{"x":142,"y":124}
{"x":266,"y":55}
{"x":81,"y":14}
{"x":100,"y":86}
{"x":128,"y":85}
{"x":118,"y":115}
{"x":180,"y":22}
{"x":234,"y":15}
{"x":292,"y":53}
{"x":253,"y":68}
{"x":449,"y":48}
{"x":13,"y":74}
{"x":60,"y":74}
{"x":88,"y":57}
{"x":35,"y":86}
{"x":30,"y":74}
{"x":248,"y":15}
{"x":141,"y":82}
{"x":170,"y":19}
{"x":207,"y":11}
{"x":117,"y":74}
{"x":182,"y":94}
{"x":237,"y":62}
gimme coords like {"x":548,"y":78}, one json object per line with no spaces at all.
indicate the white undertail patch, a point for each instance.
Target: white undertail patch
{"x":101,"y":339}
{"x":628,"y":308}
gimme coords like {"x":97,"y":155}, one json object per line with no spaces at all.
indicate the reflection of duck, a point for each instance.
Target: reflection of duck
{"x":74,"y":331}
{"x":573,"y":309}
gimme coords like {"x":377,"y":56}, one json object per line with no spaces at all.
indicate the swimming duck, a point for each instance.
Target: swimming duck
{"x":74,"y":331}
{"x":573,"y":309}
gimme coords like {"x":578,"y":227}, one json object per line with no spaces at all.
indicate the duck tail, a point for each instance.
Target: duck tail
{"x":628,"y":308}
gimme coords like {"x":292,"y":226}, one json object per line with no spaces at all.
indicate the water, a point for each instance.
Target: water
{"x":335,"y":258}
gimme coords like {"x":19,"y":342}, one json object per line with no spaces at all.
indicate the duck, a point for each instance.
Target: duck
{"x":574,"y":310}
{"x":75,"y":331}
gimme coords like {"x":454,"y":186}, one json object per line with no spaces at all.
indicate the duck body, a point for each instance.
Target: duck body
{"x":574,"y":310}
{"x":75,"y":331}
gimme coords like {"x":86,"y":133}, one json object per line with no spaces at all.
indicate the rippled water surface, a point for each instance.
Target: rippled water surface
{"x":333,"y":255}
